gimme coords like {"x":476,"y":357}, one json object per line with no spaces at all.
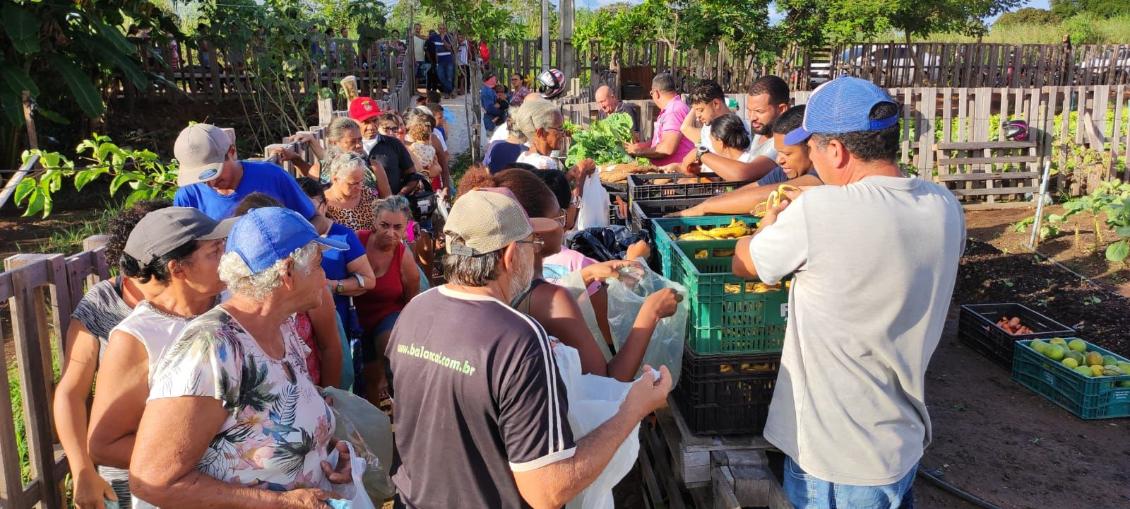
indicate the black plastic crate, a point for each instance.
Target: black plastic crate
{"x":726,"y":394}
{"x":642,"y":187}
{"x":615,"y":215}
{"x":643,"y":212}
{"x":977,"y":327}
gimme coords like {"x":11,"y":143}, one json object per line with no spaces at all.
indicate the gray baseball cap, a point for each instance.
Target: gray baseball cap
{"x":164,"y":230}
{"x":200,"y":150}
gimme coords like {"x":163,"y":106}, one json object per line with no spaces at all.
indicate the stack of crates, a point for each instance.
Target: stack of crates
{"x":735,"y":330}
{"x":648,"y":200}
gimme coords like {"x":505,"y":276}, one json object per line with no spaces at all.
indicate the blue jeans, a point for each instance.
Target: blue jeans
{"x":446,"y":74}
{"x":805,"y":491}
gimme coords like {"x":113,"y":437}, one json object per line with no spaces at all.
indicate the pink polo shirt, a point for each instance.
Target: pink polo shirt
{"x":670,"y":119}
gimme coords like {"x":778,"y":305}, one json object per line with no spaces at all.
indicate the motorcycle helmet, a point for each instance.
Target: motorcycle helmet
{"x":1015,"y":130}
{"x":551,"y":82}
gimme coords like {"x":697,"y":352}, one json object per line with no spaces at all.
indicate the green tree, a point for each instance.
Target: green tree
{"x":1028,"y":16}
{"x":1101,"y":8}
{"x":66,"y":54}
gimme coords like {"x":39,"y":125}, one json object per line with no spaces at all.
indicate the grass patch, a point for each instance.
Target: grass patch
{"x":68,"y":239}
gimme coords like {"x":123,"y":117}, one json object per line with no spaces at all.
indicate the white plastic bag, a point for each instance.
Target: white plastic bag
{"x":626,"y":297}
{"x":357,"y":498}
{"x":593,"y":400}
{"x":594,"y":205}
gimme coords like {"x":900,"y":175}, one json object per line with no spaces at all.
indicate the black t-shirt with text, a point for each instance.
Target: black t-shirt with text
{"x":394,"y":158}
{"x":478,"y":397}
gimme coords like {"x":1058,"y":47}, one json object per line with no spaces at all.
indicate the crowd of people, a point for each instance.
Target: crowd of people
{"x":238,"y":302}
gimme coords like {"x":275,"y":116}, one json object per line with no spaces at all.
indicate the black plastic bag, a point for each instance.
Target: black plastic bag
{"x":604,"y":244}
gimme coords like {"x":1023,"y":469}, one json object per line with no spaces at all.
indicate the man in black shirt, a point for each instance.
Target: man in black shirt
{"x":393,"y":156}
{"x":481,"y":412}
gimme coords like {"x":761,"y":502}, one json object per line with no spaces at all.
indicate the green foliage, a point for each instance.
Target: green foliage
{"x":1082,"y":28}
{"x":842,"y":21}
{"x":1099,"y":8}
{"x":64,"y":52}
{"x":603,"y":141}
{"x":1114,"y":30}
{"x":1028,"y":15}
{"x":141,"y":171}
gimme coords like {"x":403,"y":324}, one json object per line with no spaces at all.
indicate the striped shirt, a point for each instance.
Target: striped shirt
{"x":478,"y":397}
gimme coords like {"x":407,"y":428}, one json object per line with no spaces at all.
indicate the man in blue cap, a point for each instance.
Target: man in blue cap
{"x":873,"y":257}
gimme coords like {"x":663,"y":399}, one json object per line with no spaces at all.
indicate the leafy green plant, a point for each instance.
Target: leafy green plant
{"x":142,"y":171}
{"x":603,"y":141}
{"x":1049,"y":225}
{"x":1118,"y":217}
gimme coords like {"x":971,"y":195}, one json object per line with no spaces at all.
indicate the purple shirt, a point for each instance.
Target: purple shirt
{"x":670,"y":119}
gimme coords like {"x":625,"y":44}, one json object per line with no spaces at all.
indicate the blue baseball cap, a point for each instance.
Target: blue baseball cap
{"x":842,"y":105}
{"x":266,"y":235}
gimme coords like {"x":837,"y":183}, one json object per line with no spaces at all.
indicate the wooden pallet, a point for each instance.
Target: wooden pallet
{"x":725,"y":472}
{"x":691,"y":453}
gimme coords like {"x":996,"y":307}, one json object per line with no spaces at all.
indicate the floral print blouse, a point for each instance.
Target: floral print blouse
{"x":278,"y":428}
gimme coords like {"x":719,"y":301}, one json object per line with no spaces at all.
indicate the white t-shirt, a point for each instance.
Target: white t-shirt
{"x":874,"y":264}
{"x":439,"y":136}
{"x":500,"y":133}
{"x":155,"y":331}
{"x":538,"y":161}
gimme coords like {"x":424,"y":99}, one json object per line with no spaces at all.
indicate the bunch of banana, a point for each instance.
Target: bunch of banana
{"x":751,"y":287}
{"x":733,"y":230}
{"x":773,"y":200}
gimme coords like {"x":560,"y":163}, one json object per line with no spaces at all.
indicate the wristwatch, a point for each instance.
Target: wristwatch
{"x":701,"y":150}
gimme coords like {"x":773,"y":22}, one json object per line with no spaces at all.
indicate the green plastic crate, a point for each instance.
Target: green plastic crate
{"x":667,"y":229}
{"x":1086,"y":397}
{"x":720,"y":322}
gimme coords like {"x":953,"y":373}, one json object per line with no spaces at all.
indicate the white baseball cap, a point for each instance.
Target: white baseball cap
{"x":200,"y":150}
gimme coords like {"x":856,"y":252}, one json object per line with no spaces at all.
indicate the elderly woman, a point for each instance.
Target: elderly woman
{"x":104,"y":306}
{"x":343,"y":135}
{"x":179,"y":247}
{"x":398,"y":280}
{"x":348,"y":201}
{"x":318,"y":328}
{"x":541,"y":122}
{"x":260,"y":433}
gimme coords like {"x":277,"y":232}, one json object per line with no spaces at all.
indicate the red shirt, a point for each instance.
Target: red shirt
{"x":387,"y":296}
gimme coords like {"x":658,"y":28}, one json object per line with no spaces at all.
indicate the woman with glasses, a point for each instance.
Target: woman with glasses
{"x":541,"y":122}
{"x":397,"y":281}
{"x":348,"y":201}
{"x":553,"y":306}
{"x":343,"y":135}
{"x":518,"y":90}
{"x":391,"y":125}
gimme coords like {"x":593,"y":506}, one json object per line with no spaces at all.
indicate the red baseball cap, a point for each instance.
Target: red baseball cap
{"x":363,"y":108}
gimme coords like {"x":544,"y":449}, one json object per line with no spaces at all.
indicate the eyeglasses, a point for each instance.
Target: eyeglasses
{"x":536,"y":242}
{"x":561,"y":219}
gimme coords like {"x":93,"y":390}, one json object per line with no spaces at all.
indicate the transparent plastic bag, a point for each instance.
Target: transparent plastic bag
{"x":626,"y":295}
{"x":369,"y":432}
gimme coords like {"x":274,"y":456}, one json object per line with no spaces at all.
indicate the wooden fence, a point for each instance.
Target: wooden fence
{"x":41,"y":291}
{"x":215,"y":73}
{"x":949,"y":134}
{"x":983,"y":65}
